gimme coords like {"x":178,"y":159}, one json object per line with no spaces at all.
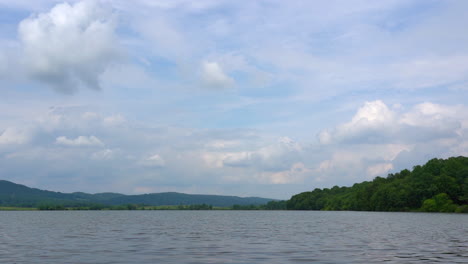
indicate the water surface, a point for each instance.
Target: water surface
{"x":231,"y":237}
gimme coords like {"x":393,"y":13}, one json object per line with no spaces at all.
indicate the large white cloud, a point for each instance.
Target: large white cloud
{"x":375,"y":123}
{"x":379,"y":139}
{"x":70,"y":46}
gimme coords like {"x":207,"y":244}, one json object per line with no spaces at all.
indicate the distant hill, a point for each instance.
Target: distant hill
{"x":12,"y":194}
{"x":174,"y":198}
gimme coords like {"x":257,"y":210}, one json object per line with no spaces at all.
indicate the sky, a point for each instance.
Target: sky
{"x":247,"y":98}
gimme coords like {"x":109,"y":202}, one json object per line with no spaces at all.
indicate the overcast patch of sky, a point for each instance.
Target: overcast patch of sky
{"x":203,"y":95}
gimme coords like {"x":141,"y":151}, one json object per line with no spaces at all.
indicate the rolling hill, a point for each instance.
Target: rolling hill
{"x":12,"y":194}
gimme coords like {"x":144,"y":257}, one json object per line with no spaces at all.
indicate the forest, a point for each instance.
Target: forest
{"x":440,"y":185}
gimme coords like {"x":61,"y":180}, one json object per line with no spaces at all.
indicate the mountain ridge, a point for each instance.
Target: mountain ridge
{"x":13,"y":194}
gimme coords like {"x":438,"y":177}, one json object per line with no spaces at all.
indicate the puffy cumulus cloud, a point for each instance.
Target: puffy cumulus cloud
{"x":372,"y":121}
{"x":214,"y":77}
{"x":81,"y":141}
{"x":376,"y":123}
{"x":70,"y":46}
{"x":372,"y":114}
{"x":379,"y":139}
{"x":12,"y":135}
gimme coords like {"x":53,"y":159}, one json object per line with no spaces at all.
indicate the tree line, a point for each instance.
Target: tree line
{"x":438,"y":186}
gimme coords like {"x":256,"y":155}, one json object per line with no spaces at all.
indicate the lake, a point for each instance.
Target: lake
{"x":231,"y":237}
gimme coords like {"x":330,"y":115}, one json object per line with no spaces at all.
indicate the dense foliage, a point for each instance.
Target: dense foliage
{"x":438,"y":186}
{"x":271,"y":205}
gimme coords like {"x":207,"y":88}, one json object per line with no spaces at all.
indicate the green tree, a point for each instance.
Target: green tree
{"x":421,"y":188}
{"x":439,"y":203}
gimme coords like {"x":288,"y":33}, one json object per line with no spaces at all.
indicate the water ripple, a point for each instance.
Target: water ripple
{"x":231,"y":237}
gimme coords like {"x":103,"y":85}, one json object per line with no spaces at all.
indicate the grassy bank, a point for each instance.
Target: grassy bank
{"x":6,"y":208}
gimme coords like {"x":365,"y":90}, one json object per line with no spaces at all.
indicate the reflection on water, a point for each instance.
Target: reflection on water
{"x":231,"y":237}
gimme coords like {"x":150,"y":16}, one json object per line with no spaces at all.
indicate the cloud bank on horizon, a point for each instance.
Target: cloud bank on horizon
{"x":244,"y":98}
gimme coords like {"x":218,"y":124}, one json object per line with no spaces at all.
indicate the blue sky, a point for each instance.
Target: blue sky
{"x":249,"y":98}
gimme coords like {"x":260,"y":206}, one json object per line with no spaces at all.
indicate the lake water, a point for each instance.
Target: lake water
{"x":232,"y":237}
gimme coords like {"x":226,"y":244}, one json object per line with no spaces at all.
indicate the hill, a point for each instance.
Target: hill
{"x":12,"y":194}
{"x":174,"y":198}
{"x":438,"y":186}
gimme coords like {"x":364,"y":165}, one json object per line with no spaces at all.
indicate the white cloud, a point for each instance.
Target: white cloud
{"x":214,"y":76}
{"x":378,"y":139}
{"x":154,"y":161}
{"x":70,"y":46}
{"x":380,"y":169}
{"x":274,"y":157}
{"x":372,"y":114}
{"x":84,"y":141}
{"x":12,"y":135}
{"x":373,"y":119}
{"x":376,"y":123}
{"x":433,"y":115}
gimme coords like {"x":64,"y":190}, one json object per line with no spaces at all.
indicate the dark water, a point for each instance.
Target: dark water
{"x":232,"y":237}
